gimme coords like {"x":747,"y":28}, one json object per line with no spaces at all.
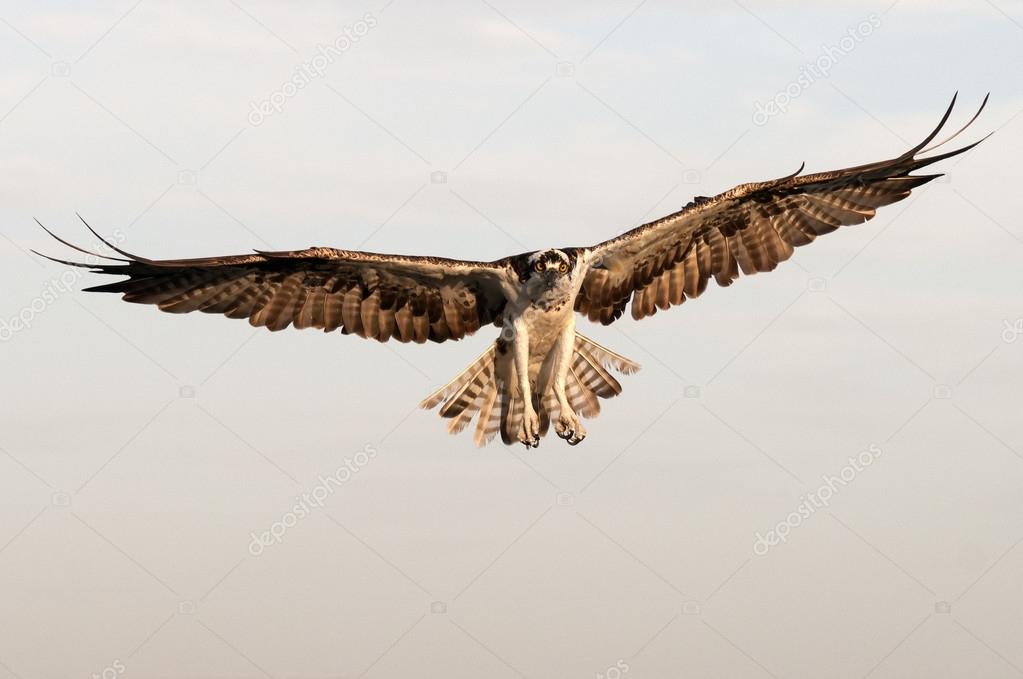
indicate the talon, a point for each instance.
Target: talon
{"x":570,"y":429}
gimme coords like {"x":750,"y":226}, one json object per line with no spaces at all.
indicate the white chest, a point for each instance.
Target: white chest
{"x":545,"y":327}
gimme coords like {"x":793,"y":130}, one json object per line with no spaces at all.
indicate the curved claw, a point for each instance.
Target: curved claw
{"x":533,"y":442}
{"x":572,"y":436}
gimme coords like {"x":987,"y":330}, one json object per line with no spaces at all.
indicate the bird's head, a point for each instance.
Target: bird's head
{"x":550,"y":267}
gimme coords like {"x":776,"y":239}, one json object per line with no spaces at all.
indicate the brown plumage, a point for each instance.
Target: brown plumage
{"x":410,"y":299}
{"x":481,"y":388}
{"x":543,"y":372}
{"x":750,"y":228}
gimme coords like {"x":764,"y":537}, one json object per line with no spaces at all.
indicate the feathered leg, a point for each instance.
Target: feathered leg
{"x":529,"y":428}
{"x":568,"y":425}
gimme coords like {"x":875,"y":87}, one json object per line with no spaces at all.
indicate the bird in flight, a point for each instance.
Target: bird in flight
{"x":539,"y":370}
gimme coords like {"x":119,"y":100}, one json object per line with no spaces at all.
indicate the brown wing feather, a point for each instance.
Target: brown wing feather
{"x":410,"y":299}
{"x":751,"y":228}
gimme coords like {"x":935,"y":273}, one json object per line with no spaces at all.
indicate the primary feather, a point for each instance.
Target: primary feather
{"x":544,"y":372}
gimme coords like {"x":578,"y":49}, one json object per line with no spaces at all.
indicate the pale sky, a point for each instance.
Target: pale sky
{"x":140,"y":451}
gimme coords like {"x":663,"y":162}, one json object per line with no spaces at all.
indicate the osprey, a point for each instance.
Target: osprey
{"x":539,"y":370}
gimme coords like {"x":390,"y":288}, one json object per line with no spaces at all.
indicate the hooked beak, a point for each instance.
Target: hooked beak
{"x":550,"y":277}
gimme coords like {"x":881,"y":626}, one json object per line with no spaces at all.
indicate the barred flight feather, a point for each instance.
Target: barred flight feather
{"x":486,"y":390}
{"x":746,"y":230}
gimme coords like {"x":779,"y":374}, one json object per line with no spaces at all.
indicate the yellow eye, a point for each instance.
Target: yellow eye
{"x":539,"y":266}
{"x":563,"y":267}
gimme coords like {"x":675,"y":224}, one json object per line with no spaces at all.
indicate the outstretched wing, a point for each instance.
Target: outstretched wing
{"x":749,"y":228}
{"x":410,"y":299}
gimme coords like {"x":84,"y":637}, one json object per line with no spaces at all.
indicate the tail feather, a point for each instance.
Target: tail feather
{"x":607,"y":358}
{"x":542,"y":413}
{"x":465,"y":398}
{"x":550,"y":405}
{"x":461,"y":419}
{"x":512,"y":410}
{"x":581,"y":397}
{"x":487,"y":424}
{"x":463,"y":378}
{"x":594,"y":376}
{"x":484,"y":391}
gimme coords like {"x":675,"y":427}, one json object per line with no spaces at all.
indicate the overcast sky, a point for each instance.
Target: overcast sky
{"x":141,"y":452}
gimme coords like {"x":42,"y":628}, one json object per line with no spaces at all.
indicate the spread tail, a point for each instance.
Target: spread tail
{"x":486,"y":391}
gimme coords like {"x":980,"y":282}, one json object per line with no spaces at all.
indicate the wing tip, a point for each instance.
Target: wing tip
{"x":62,"y":261}
{"x":110,"y":245}
{"x":71,"y":245}
{"x":923,"y":147}
{"x":127,"y":258}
